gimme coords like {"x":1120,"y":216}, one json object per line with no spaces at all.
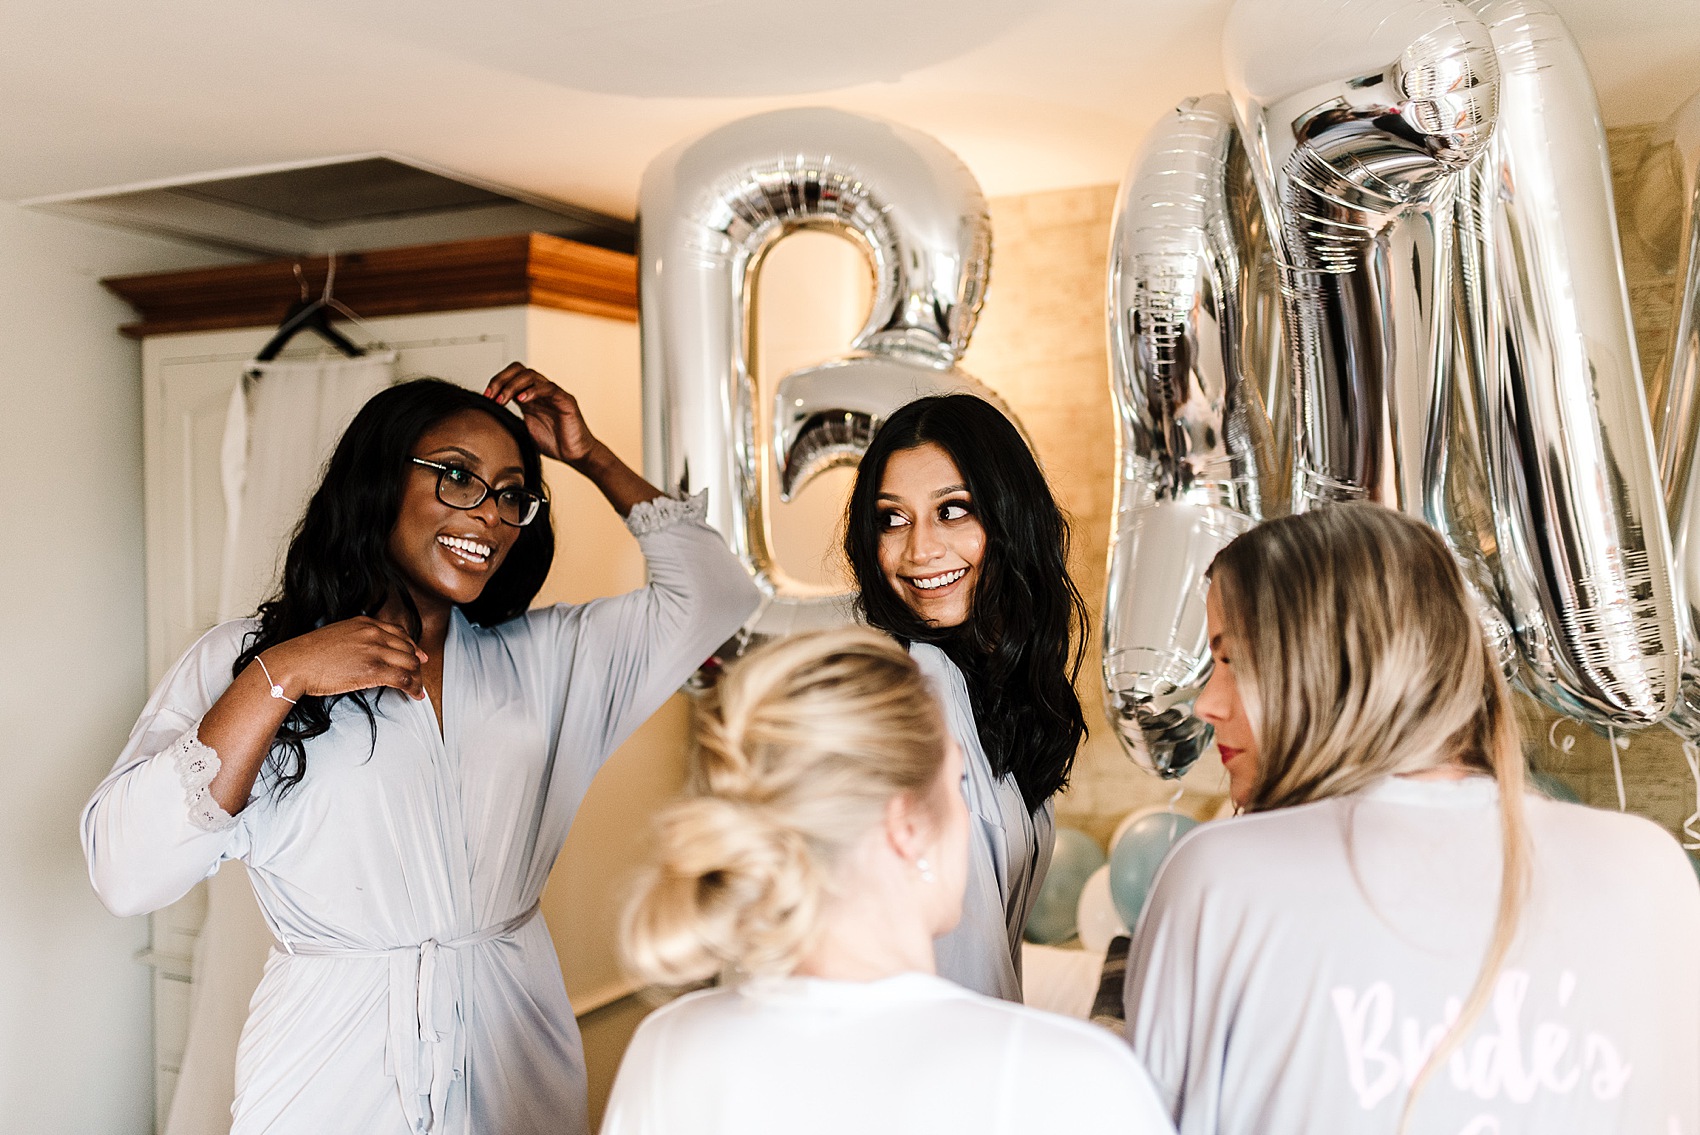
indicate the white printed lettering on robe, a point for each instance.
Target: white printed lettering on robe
{"x":1506,"y":1057}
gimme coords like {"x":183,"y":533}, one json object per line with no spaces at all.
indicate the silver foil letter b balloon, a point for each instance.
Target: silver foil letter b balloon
{"x":1198,"y":464}
{"x":709,"y":210}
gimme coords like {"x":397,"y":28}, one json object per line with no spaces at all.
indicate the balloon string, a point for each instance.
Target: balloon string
{"x":1691,"y":753}
{"x":1174,"y":820}
{"x":1617,"y":767}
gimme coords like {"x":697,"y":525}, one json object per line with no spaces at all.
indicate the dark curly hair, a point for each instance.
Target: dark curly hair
{"x":338,"y":564}
{"x":1022,"y":645}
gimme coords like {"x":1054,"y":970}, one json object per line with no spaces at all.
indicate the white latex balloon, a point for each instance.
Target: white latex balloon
{"x":1099,"y":921}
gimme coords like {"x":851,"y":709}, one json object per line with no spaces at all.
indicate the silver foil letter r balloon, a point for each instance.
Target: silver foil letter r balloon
{"x":709,"y":211}
{"x":1359,"y":116}
{"x":1198,"y":463}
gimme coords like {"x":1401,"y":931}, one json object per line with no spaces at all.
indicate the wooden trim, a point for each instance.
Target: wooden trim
{"x":531,"y":268}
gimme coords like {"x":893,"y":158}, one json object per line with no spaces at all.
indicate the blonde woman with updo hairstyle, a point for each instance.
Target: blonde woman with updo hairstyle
{"x":1396,"y":936}
{"x":822,"y":848}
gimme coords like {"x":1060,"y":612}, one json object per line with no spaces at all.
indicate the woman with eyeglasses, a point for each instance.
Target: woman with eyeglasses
{"x":396,"y":746}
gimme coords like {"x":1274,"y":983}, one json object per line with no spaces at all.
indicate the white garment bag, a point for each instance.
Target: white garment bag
{"x":283,"y":422}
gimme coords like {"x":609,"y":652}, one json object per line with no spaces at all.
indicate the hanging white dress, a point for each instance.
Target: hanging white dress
{"x":283,"y":422}
{"x":413,"y":987}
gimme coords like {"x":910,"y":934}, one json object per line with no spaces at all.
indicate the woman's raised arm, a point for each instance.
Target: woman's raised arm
{"x":553,"y":418}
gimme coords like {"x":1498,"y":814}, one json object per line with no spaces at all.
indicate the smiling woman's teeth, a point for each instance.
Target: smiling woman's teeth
{"x":469,"y":549}
{"x":934,"y":582}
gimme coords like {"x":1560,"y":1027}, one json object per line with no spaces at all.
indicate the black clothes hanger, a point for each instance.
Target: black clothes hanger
{"x":308,"y":316}
{"x":311,"y":315}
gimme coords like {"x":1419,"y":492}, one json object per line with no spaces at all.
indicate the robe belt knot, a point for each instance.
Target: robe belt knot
{"x":426,"y":1047}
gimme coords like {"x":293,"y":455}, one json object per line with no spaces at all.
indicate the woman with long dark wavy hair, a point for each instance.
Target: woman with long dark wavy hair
{"x":396,"y":747}
{"x":960,"y":552}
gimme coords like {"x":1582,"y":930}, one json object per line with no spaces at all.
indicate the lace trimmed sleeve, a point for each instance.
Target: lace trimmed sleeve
{"x":652,"y":516}
{"x":197,"y":764}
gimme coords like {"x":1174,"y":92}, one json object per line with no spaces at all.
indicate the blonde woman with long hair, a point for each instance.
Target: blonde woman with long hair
{"x":1396,"y":936}
{"x":822,"y":849}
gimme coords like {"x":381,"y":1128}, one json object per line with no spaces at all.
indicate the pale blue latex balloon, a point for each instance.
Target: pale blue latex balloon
{"x":1136,"y":857}
{"x":1553,"y":788}
{"x":1054,"y":917}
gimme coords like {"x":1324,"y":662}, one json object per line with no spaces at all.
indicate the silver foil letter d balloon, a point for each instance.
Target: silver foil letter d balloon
{"x":709,"y":211}
{"x":1583,"y":549}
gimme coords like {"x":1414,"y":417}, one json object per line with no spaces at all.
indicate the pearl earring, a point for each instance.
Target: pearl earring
{"x":926,"y":870}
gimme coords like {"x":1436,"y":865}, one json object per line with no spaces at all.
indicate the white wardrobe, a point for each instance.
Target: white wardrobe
{"x":575,"y":320}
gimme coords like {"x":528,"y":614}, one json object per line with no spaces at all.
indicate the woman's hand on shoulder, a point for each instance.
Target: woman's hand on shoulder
{"x":355,"y":654}
{"x":551,"y":414}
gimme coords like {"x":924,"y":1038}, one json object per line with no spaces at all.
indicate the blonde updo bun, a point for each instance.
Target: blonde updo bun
{"x":799,"y":748}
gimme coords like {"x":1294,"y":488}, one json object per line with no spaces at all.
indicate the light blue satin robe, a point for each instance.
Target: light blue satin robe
{"x":411,"y":987}
{"x":1009,"y":851}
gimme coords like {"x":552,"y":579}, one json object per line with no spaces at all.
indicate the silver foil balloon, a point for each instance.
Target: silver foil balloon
{"x":1666,"y":210}
{"x":1197,"y":460}
{"x":1361,"y":117}
{"x":1582,"y":546}
{"x":709,"y":210}
{"x":1358,"y":117}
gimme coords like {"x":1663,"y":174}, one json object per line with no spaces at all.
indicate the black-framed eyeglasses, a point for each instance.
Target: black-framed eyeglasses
{"x":461,"y":488}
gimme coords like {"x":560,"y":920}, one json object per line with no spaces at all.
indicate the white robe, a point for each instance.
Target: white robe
{"x":1293,"y":969}
{"x":1009,"y":850}
{"x":906,"y":1055}
{"x":412,"y":988}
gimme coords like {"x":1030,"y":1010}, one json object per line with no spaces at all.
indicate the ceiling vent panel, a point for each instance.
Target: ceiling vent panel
{"x":344,"y":204}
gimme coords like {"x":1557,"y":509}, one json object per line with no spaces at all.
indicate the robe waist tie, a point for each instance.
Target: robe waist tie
{"x":426,"y":1047}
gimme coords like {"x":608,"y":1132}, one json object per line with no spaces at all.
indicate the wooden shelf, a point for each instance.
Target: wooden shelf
{"x":531,"y":268}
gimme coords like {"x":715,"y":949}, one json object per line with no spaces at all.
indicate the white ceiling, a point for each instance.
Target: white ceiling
{"x":571,"y":98}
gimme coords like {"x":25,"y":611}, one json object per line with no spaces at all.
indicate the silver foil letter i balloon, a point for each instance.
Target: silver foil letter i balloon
{"x":1361,"y":117}
{"x":1667,"y":219}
